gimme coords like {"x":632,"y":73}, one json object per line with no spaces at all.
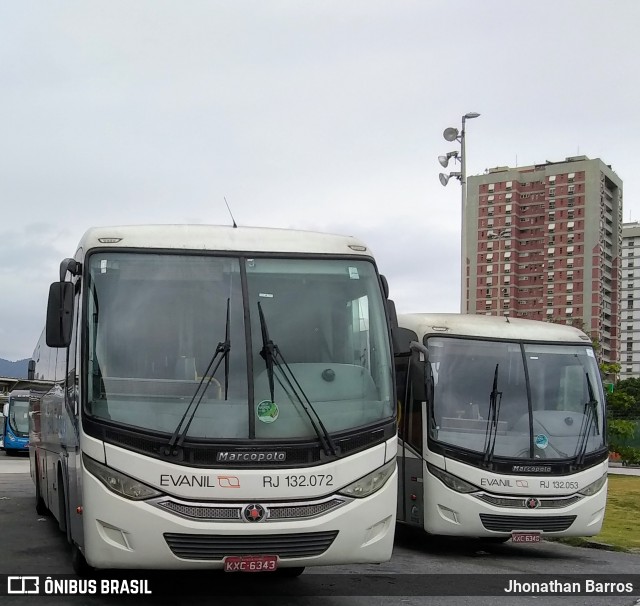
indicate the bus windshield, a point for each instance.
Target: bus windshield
{"x":155,"y":321}
{"x":19,"y":416}
{"x":516,"y":400}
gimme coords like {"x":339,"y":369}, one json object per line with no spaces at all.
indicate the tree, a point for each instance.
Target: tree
{"x":624,"y":402}
{"x":623,"y":413}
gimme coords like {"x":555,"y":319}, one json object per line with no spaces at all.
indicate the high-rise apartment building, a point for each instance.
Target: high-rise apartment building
{"x":630,"y":297}
{"x":544,"y":242}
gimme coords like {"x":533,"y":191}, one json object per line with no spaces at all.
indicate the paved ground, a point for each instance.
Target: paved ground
{"x":618,"y":468}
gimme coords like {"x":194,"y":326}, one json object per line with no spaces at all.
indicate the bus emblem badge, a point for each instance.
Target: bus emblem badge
{"x":254,"y":513}
{"x":532,"y":503}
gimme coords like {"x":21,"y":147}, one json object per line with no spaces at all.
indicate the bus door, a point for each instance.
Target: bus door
{"x":2,"y":426}
{"x":70,"y":439}
{"x":411,"y":390}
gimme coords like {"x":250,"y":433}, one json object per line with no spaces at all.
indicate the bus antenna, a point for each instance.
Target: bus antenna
{"x":234,"y":221}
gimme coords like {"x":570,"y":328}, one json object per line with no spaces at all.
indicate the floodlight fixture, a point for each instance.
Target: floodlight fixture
{"x":444,"y":160}
{"x":451,"y":133}
{"x":444,"y":177}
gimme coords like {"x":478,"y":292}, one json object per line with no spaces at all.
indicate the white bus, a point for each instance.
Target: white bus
{"x":220,"y":399}
{"x":502,"y":429}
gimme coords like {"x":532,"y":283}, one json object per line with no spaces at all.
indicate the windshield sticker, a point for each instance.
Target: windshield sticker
{"x":267,"y":295}
{"x":353,"y":273}
{"x":590,"y":353}
{"x":541,"y":441}
{"x":267,"y":411}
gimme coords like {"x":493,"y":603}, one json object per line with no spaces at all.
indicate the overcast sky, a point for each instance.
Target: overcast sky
{"x":323,"y":115}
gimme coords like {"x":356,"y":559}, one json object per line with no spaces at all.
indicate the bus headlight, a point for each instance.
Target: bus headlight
{"x":370,"y":483}
{"x":118,"y":482}
{"x":594,"y":487}
{"x":451,"y":481}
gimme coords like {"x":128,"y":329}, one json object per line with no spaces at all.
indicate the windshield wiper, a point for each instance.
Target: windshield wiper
{"x":590,"y":415}
{"x":491,"y":432}
{"x":221,"y":353}
{"x":274,"y":359}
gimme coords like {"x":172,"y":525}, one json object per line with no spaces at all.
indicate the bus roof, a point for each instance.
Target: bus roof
{"x":221,"y":238}
{"x":493,"y":327}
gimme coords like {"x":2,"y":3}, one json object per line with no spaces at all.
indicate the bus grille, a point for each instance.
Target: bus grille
{"x":310,"y":510}
{"x":202,"y":512}
{"x":216,"y":547}
{"x":293,"y":511}
{"x":510,"y":523}
{"x":521,"y":503}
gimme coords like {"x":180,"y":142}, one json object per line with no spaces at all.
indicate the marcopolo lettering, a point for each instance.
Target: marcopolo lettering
{"x":531,"y":469}
{"x":225,"y":456}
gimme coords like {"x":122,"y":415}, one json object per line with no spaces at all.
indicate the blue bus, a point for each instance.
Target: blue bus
{"x":15,"y":433}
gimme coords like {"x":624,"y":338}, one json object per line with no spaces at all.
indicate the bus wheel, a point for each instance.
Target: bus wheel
{"x":291,"y":573}
{"x":41,"y":506}
{"x":79,"y":562}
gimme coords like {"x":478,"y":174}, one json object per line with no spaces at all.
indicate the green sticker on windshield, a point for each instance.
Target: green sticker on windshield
{"x":541,"y":441}
{"x":267,"y":411}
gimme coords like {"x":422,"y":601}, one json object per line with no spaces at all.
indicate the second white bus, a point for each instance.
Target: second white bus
{"x":502,"y":428}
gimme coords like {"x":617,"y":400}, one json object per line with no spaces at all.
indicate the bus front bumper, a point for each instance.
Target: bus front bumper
{"x":121,"y":533}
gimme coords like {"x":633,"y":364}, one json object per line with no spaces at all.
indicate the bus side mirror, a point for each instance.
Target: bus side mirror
{"x":393,"y":321}
{"x":419,"y":371}
{"x":5,"y":409}
{"x":391,"y":312}
{"x":31,"y":370}
{"x":385,"y":286}
{"x":59,"y":314}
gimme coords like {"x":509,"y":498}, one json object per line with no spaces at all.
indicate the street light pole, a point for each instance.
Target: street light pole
{"x":452,"y":134}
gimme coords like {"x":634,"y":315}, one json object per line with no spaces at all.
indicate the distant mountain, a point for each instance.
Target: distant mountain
{"x":14,"y":370}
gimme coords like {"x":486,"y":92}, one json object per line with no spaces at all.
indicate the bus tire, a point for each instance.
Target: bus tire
{"x":79,"y":562}
{"x":291,"y":573}
{"x":41,"y":506}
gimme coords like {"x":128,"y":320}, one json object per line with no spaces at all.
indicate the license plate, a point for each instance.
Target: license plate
{"x":257,"y":563}
{"x":525,"y":537}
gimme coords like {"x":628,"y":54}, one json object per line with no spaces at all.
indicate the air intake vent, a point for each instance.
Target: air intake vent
{"x":216,"y":547}
{"x":511,"y":523}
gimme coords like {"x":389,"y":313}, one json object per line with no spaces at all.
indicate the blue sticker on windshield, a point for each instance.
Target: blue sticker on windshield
{"x":541,"y":441}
